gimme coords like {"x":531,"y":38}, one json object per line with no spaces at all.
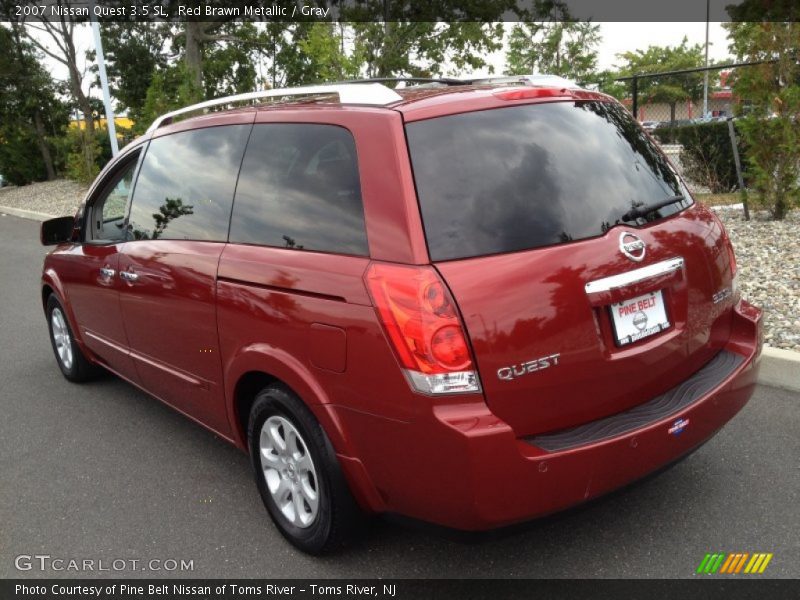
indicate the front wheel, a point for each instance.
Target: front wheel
{"x":72,"y":362}
{"x":298,"y":475}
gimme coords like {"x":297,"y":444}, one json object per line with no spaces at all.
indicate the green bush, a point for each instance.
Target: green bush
{"x":774,"y":161}
{"x":20,"y":159}
{"x":707,"y":155}
{"x":84,"y":157}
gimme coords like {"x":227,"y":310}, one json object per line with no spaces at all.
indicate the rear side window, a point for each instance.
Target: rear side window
{"x":185,"y":186}
{"x":528,"y":176}
{"x":299,"y":188}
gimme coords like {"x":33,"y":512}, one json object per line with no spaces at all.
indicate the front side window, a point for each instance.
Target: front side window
{"x":299,"y":188}
{"x":185,"y":186}
{"x":107,"y":213}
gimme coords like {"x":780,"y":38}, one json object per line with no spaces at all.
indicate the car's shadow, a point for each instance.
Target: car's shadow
{"x":229,"y":510}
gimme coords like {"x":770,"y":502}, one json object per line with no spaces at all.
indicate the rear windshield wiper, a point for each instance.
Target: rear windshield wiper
{"x":640,"y":211}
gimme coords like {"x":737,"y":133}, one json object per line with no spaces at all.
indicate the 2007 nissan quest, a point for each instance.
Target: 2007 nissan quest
{"x":468,"y":304}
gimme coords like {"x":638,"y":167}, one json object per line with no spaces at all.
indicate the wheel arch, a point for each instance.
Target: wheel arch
{"x":47,"y":291}
{"x":51,"y":285}
{"x":259,"y":365}
{"x":243,"y":392}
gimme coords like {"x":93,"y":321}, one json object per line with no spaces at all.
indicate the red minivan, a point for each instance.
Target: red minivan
{"x":472,"y":305}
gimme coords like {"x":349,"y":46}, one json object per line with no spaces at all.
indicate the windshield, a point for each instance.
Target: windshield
{"x":528,"y":176}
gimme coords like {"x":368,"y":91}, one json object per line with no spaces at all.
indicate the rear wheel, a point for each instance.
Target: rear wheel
{"x":298,"y":475}
{"x":73,"y":363}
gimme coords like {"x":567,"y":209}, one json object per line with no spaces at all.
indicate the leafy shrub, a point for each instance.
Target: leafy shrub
{"x":774,"y":162}
{"x":169,"y":89}
{"x":769,"y":103}
{"x":85,"y":155}
{"x":20,"y":159}
{"x":707,"y":155}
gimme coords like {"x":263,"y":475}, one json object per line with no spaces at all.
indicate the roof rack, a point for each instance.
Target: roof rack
{"x":442,"y":80}
{"x":373,"y":93}
{"x":536,"y":79}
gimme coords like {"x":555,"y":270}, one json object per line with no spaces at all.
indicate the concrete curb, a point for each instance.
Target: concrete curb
{"x":779,"y":368}
{"x":25,"y":214}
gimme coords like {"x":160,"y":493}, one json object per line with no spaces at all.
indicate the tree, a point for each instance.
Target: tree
{"x":278,"y":47}
{"x":29,"y":109}
{"x":228,"y":64}
{"x":61,"y":32}
{"x":323,"y":54}
{"x":402,"y":38}
{"x":200,"y":40}
{"x":669,"y":89}
{"x":421,"y":49}
{"x":567,"y":48}
{"x":306,"y":52}
{"x":607,"y":83}
{"x":170,"y":88}
{"x":134,"y":51}
{"x":769,"y":100}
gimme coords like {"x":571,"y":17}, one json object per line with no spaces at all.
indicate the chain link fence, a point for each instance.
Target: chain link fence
{"x":690,"y":114}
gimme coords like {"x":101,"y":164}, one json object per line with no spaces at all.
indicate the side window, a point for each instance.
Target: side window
{"x":107,"y":213}
{"x":185,"y":186}
{"x":299,"y":188}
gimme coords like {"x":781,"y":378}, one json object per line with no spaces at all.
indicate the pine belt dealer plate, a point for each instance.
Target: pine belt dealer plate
{"x":639,"y":317}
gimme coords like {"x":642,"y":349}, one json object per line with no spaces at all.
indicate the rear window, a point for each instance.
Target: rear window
{"x":528,"y":176}
{"x":299,"y":188}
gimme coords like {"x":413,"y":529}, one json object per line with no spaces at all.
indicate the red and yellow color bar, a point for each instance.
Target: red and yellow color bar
{"x":737,"y":562}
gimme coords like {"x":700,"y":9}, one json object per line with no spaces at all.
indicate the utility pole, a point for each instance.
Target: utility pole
{"x":101,"y":65}
{"x":705,"y":73}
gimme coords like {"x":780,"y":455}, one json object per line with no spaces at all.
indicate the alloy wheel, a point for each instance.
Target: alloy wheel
{"x":289,"y":471}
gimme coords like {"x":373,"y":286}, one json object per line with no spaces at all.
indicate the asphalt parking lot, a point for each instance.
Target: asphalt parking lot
{"x":103,"y":472}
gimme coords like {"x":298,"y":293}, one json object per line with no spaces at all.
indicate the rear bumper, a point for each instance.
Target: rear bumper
{"x":464,"y":468}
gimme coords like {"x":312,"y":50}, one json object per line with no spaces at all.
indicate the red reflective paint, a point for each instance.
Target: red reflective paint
{"x":206,"y":319}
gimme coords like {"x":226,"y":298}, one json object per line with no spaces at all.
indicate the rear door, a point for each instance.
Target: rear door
{"x":577,"y":306}
{"x":290,"y":281}
{"x":177,"y":229}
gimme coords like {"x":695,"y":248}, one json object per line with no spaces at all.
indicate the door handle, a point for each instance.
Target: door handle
{"x":128,"y":275}
{"x":106,"y":272}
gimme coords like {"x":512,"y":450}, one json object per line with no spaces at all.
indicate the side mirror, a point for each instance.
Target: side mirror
{"x":56,"y":231}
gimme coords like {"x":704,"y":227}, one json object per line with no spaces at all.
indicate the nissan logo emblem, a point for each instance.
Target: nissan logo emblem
{"x":632,"y":246}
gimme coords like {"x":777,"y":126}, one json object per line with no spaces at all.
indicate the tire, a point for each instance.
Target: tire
{"x":288,"y":480}
{"x":73,"y":363}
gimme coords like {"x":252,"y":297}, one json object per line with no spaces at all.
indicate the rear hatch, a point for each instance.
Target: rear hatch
{"x":538,"y":217}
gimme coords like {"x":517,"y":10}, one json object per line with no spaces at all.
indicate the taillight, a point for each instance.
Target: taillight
{"x":421,"y":320}
{"x":530,"y":92}
{"x":734,"y":268}
{"x":731,"y":257}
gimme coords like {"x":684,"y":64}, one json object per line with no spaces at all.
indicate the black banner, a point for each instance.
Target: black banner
{"x":396,"y":589}
{"x":400,"y":10}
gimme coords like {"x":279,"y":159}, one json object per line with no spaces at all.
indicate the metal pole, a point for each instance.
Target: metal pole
{"x":735,"y":147}
{"x":705,"y":73}
{"x":101,"y":65}
{"x":635,"y":94}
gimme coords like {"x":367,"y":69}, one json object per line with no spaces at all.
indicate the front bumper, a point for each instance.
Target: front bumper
{"x":464,"y":468}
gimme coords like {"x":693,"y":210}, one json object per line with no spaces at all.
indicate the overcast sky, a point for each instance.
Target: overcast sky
{"x":616,"y":38}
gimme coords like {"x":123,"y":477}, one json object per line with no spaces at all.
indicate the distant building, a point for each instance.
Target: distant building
{"x":120,"y":122}
{"x":720,"y":104}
